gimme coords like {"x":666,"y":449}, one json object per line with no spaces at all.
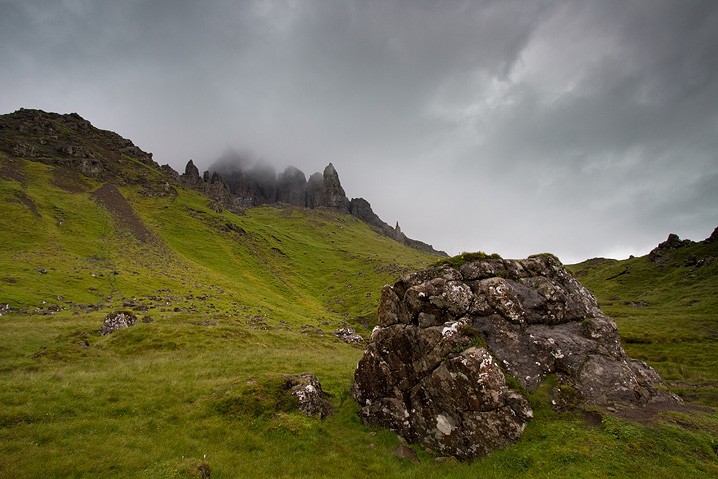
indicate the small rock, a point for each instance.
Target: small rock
{"x":308,"y":391}
{"x":405,"y":452}
{"x":117,"y":320}
{"x":204,"y":471}
{"x":348,"y":335}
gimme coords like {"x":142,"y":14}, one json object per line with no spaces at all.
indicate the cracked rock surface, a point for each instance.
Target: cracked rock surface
{"x":436,"y":368}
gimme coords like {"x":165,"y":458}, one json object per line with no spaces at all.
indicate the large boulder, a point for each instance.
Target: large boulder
{"x":455,"y":347}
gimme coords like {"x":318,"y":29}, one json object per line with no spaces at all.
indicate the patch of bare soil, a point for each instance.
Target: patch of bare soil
{"x":649,"y":413}
{"x":11,"y":170}
{"x":69,"y":180}
{"x":27,"y":201}
{"x":123,"y":214}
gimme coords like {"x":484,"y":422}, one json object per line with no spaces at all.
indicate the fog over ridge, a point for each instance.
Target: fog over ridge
{"x":581,"y":128}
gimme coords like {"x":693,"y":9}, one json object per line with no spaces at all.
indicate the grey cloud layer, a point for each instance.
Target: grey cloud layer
{"x":582,"y":128}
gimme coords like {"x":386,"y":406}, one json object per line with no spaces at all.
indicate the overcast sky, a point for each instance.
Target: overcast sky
{"x":582,"y":128}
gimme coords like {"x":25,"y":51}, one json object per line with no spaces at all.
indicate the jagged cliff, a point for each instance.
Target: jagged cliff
{"x":237,"y":189}
{"x":70,"y":141}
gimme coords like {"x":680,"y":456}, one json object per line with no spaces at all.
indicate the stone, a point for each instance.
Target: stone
{"x":348,"y":335}
{"x":308,"y":391}
{"x":403,"y":451}
{"x":437,"y":368}
{"x":116,"y":321}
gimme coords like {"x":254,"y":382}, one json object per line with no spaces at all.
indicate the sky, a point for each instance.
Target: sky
{"x":581,"y":128}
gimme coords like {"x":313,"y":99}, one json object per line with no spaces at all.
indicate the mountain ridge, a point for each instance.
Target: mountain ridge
{"x":68,"y":140}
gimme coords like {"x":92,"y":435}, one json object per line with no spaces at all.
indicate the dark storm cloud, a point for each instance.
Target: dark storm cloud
{"x":578,"y":127}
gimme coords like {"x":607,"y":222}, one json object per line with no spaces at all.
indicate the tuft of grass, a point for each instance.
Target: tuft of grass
{"x":458,"y":260}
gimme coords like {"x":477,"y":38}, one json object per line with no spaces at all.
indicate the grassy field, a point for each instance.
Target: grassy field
{"x":667,"y":314}
{"x":236,"y":303}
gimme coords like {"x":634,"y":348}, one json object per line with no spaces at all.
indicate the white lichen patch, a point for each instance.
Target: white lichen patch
{"x":450,"y":329}
{"x":375,"y":331}
{"x":444,"y":424}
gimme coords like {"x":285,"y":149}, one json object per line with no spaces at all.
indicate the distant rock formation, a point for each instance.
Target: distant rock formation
{"x":454,"y":349}
{"x":292,"y":187}
{"x":333,"y":195}
{"x":70,"y":143}
{"x":712,"y":238}
{"x":671,"y":244}
{"x":191,"y":175}
{"x":238,"y":189}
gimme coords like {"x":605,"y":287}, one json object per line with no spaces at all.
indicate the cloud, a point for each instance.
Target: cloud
{"x":581,"y":128}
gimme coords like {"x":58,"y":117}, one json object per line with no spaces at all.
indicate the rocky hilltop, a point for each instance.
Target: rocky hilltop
{"x":70,"y":142}
{"x":457,"y":349}
{"x":237,"y":190}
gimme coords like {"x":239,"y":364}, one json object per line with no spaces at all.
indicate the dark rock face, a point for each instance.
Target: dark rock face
{"x":116,"y":321}
{"x":259,"y":185}
{"x":315,"y":183}
{"x":361,"y":208}
{"x":333,"y":195}
{"x":712,"y":238}
{"x":292,"y":187}
{"x":67,"y":141}
{"x":671,"y":244}
{"x":308,"y":391}
{"x":191,"y":175}
{"x":435,"y":370}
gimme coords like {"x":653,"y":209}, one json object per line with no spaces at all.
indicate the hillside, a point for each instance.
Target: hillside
{"x":228,"y":304}
{"x":666,"y":307}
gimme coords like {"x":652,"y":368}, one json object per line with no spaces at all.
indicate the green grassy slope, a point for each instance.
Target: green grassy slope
{"x":236,"y":302}
{"x":667,"y":313}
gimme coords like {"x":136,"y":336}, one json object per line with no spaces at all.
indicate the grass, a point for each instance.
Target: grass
{"x":236,"y":303}
{"x":667,"y":314}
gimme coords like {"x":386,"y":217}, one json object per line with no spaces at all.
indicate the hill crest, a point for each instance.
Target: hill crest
{"x":70,"y":141}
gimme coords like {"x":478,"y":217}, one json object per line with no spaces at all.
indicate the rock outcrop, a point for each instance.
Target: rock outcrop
{"x":116,"y":321}
{"x":239,"y":188}
{"x":67,"y":141}
{"x":333,"y":195}
{"x":71,"y":144}
{"x":292,"y":187}
{"x":712,"y":238}
{"x":305,"y":387}
{"x":454,"y":347}
{"x":348,"y":335}
{"x":672,"y":243}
